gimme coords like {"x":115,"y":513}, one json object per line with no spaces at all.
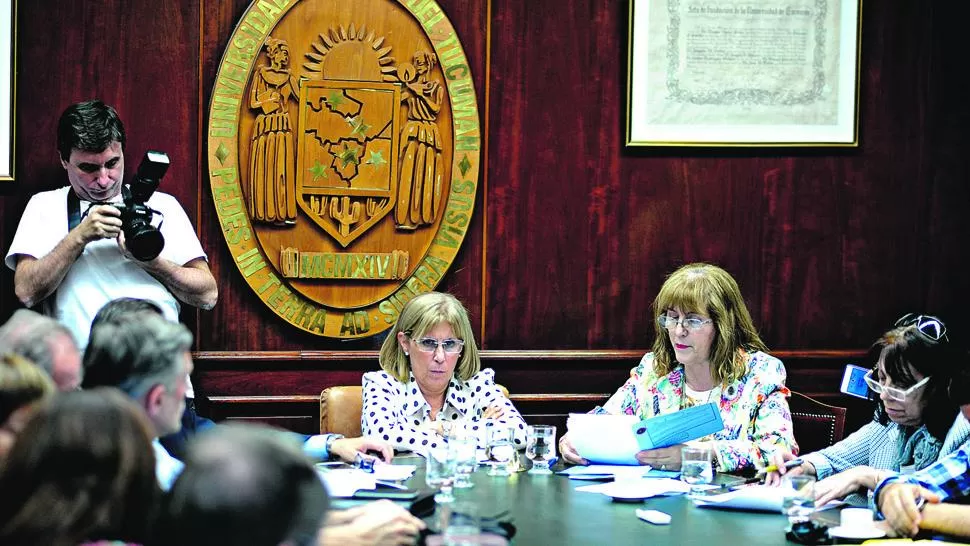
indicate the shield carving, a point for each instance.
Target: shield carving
{"x":347,"y":161}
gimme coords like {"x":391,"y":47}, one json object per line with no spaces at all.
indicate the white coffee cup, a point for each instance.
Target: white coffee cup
{"x":856,"y":518}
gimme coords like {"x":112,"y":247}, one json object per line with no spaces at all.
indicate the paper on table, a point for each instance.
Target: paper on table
{"x":344,"y":482}
{"x":637,"y":488}
{"x":759,"y":498}
{"x":604,"y":438}
{"x":605,"y":471}
{"x":393,"y":472}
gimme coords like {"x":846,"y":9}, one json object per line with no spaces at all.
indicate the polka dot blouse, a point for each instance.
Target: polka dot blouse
{"x":398,"y":412}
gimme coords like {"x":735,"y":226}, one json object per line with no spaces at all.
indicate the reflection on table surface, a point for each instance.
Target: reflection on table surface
{"x":546,"y":509}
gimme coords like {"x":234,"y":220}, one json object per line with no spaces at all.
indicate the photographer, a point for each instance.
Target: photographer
{"x":86,"y":265}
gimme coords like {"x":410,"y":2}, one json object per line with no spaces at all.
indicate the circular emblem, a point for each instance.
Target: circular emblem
{"x":343,"y":155}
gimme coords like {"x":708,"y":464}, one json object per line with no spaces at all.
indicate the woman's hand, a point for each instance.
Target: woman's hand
{"x":844,"y":483}
{"x":664,"y":458}
{"x":568,"y":452}
{"x":778,"y":460}
{"x":495,"y":411}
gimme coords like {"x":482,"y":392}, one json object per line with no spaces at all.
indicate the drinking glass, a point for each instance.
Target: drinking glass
{"x":460,"y":524}
{"x":500,"y":450}
{"x":440,"y":471}
{"x":540,"y":448}
{"x":466,"y":459}
{"x":798,"y":497}
{"x":696,"y":468}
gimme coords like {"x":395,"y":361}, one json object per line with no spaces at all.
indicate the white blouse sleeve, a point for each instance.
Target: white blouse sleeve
{"x":484,"y":393}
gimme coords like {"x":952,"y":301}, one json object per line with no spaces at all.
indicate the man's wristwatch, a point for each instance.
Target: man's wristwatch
{"x":330,"y":440}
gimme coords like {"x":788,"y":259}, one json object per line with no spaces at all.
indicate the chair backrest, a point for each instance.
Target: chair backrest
{"x":340,"y":409}
{"x":817,"y":424}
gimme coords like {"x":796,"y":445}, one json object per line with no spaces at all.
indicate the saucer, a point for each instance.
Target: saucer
{"x":856,"y":532}
{"x":620,"y":496}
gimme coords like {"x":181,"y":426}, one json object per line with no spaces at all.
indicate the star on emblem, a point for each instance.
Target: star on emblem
{"x":347,"y":155}
{"x":358,"y":127}
{"x":376,"y":159}
{"x":464,"y":165}
{"x":318,"y":170}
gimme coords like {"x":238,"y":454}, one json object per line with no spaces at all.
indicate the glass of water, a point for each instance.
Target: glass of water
{"x":440,"y":471}
{"x":540,"y":448}
{"x":696,"y":468}
{"x":798,"y":497}
{"x":500,"y":450}
{"x":460,"y":524}
{"x":465,"y":446}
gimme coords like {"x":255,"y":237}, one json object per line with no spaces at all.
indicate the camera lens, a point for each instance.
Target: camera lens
{"x":144,"y":242}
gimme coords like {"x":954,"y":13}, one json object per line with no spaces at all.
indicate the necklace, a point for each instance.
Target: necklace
{"x":687,"y":400}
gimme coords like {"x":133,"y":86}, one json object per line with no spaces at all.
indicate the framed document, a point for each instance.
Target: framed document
{"x":743,"y":73}
{"x":8,"y":85}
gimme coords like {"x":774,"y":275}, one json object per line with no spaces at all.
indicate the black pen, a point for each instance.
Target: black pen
{"x":788,"y":466}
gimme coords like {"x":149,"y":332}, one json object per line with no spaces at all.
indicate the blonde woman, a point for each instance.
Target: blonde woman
{"x":431,"y":378}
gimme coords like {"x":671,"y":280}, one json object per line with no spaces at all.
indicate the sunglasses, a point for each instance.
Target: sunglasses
{"x":927,"y":325}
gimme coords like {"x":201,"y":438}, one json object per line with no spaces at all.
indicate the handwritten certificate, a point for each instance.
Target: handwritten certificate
{"x":743,"y":72}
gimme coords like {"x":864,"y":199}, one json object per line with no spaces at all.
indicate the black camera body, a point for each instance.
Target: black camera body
{"x":144,"y":241}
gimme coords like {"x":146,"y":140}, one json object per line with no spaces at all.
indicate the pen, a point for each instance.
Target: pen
{"x":788,"y":466}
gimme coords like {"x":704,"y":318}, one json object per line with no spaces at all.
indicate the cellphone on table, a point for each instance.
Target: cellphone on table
{"x":853,"y":383}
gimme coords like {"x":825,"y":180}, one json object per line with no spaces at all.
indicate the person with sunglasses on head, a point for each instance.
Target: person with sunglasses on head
{"x":431,"y":378}
{"x":707,"y":350}
{"x":924,"y":501}
{"x":914,"y":425}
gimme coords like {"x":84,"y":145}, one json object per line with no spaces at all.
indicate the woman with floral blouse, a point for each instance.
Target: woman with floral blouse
{"x":431,"y":379}
{"x":707,"y":351}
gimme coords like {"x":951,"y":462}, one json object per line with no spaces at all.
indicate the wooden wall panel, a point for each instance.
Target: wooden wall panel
{"x":573,"y":233}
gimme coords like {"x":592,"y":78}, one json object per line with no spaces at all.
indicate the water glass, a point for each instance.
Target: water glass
{"x":460,"y":524}
{"x":466,"y":459}
{"x":696,"y":468}
{"x":440,"y":471}
{"x":500,"y":450}
{"x":798,"y":497}
{"x":540,"y":448}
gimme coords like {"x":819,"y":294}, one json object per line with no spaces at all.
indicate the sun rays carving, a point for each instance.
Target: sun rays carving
{"x":350,"y":53}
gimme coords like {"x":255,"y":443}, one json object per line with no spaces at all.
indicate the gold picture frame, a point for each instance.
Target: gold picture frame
{"x":733,"y":73}
{"x":8,"y":87}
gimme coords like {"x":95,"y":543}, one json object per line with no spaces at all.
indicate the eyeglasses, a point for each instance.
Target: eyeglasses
{"x":689,"y":324}
{"x":928,"y":325}
{"x":898,"y":395}
{"x":449,"y":346}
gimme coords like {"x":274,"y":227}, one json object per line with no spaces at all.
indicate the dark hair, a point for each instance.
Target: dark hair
{"x":83,"y":469}
{"x":906,"y":346}
{"x":244,"y":485}
{"x":89,"y":126}
{"x":119,"y":309}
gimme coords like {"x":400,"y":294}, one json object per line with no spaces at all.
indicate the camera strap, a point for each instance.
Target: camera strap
{"x":73,"y":210}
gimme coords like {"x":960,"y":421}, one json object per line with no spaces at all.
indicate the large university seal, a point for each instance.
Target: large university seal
{"x":343,"y":157}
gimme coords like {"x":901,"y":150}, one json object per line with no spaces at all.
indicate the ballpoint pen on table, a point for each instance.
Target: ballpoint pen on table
{"x":788,"y":466}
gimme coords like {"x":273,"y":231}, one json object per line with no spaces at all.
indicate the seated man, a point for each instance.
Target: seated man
{"x":247,"y":486}
{"x":914,"y":502}
{"x":140,"y":354}
{"x":45,"y":342}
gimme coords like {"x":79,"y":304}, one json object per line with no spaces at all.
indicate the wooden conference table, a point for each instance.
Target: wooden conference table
{"x":546,"y":509}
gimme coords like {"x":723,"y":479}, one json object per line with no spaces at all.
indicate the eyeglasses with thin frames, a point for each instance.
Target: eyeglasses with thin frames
{"x":689,"y":324}
{"x":449,"y":346}
{"x":927,"y":325}
{"x":894,"y":393}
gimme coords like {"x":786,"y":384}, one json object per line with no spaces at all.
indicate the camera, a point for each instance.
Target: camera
{"x":144,"y":241}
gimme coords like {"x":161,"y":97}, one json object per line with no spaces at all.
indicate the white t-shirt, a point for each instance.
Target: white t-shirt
{"x":101,"y":273}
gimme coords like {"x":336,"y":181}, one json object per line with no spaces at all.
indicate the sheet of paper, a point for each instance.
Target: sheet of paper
{"x":637,"y":488}
{"x":393,"y":472}
{"x":606,"y":471}
{"x":605,"y":439}
{"x":344,"y":482}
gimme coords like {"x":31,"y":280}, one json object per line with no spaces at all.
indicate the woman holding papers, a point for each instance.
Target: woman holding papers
{"x":431,"y":379}
{"x":707,"y":351}
{"x":915,"y":423}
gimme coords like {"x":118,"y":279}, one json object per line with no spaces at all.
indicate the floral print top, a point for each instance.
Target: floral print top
{"x":754,"y":409}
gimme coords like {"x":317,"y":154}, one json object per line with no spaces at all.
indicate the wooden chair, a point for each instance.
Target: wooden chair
{"x":817,"y":425}
{"x":340,"y":408}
